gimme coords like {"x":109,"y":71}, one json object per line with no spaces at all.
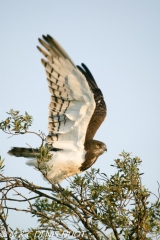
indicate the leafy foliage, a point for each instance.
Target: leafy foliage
{"x":119,"y":203}
{"x":94,"y":203}
{"x":94,"y":206}
{"x":16,"y":123}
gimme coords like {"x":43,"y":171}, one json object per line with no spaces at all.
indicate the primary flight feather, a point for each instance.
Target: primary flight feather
{"x":76,"y":111}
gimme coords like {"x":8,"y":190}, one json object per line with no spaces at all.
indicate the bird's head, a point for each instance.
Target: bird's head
{"x":95,"y":146}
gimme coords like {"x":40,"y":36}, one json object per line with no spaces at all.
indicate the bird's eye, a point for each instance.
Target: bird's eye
{"x":97,"y":146}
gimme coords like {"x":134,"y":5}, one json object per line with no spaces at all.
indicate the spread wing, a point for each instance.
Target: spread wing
{"x":72,"y":102}
{"x":100,"y":110}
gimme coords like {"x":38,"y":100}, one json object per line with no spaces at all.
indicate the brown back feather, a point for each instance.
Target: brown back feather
{"x":100,"y":110}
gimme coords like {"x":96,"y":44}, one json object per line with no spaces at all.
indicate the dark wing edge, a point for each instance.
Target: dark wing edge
{"x":100,"y":111}
{"x":90,"y":159}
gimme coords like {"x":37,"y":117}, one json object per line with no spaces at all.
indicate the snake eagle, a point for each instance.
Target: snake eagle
{"x":76,"y":111}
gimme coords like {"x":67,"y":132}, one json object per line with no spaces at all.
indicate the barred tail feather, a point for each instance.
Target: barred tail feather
{"x":24,"y":152}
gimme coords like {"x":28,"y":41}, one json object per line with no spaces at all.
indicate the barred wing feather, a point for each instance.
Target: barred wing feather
{"x":72,"y":102}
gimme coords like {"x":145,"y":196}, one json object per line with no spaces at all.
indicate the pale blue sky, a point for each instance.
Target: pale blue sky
{"x":120,"y":43}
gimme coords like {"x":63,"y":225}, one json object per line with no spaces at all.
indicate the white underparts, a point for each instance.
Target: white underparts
{"x":63,"y":164}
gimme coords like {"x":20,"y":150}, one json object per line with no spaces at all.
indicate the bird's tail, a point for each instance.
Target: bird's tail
{"x":24,"y":152}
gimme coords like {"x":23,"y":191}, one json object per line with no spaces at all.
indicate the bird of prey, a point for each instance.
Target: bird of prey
{"x":76,"y":111}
